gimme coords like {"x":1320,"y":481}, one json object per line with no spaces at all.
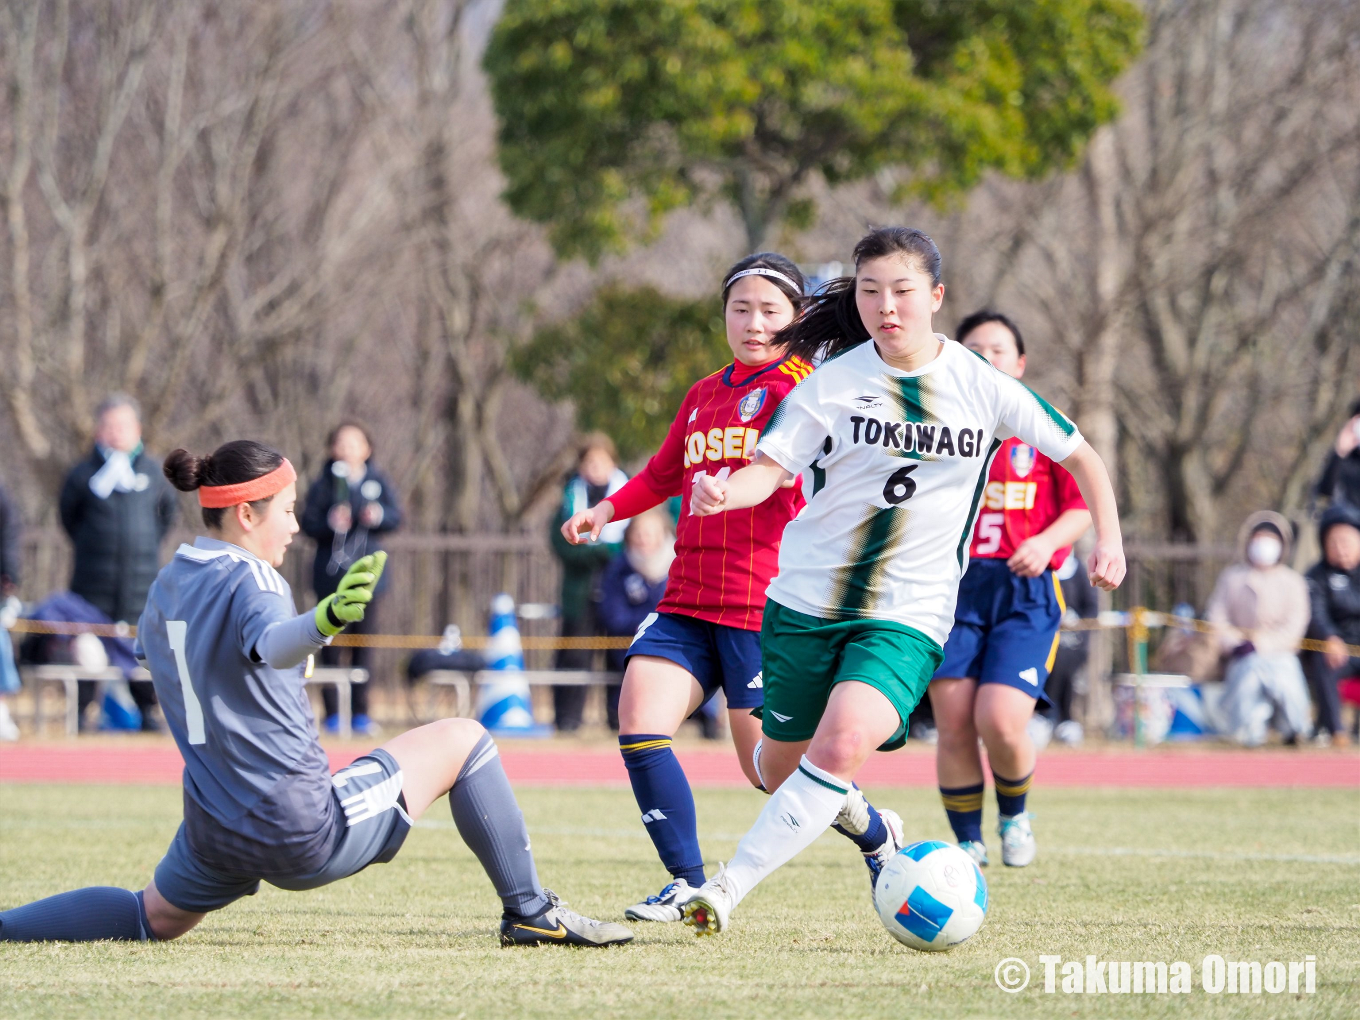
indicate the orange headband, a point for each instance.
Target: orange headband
{"x":215,"y":497}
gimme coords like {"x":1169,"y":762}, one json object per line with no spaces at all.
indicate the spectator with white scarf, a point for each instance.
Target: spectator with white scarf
{"x":117,"y":507}
{"x":597,"y":476}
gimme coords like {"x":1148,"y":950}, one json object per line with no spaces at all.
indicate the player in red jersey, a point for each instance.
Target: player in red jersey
{"x":1005,"y":632}
{"x":705,"y":633}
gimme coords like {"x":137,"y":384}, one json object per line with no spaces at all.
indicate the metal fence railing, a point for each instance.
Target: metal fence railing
{"x":439,"y":579}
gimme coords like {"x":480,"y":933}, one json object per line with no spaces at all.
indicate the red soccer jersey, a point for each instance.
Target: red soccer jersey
{"x":1026,"y":492}
{"x":723,"y":563}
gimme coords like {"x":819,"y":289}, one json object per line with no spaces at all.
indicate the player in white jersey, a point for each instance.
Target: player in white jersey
{"x":226,"y":647}
{"x":896,"y":428}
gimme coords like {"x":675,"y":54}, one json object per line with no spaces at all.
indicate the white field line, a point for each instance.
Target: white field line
{"x":1208,"y":855}
{"x":1114,"y":851}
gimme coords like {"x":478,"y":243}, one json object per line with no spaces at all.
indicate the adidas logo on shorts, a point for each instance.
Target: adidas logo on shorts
{"x":653,"y":815}
{"x":758,"y":681}
{"x":1030,"y":676}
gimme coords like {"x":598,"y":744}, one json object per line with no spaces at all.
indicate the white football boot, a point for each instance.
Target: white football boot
{"x":1069,"y":732}
{"x":1017,"y":840}
{"x":9,"y":731}
{"x":665,"y":905}
{"x":708,"y":910}
{"x":975,"y":849}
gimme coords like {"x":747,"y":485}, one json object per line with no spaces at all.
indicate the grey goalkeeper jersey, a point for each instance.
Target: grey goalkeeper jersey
{"x":257,"y":787}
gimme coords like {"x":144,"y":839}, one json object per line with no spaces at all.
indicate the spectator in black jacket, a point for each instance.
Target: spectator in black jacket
{"x":10,"y":528}
{"x":117,"y":507}
{"x":348,"y":506}
{"x":631,"y":586}
{"x":1334,"y":597}
{"x":1340,"y":481}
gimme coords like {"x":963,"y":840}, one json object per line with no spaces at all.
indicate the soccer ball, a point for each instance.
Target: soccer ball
{"x":931,"y":896}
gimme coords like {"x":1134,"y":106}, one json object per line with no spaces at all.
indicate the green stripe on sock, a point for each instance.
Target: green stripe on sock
{"x":822,"y":782}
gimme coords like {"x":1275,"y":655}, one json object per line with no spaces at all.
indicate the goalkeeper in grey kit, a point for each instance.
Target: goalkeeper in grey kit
{"x":226,"y":650}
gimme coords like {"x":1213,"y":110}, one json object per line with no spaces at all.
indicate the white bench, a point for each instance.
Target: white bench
{"x":344,"y":680}
{"x":69,"y":676}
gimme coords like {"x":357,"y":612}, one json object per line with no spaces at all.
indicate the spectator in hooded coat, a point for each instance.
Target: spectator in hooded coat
{"x":1259,"y":609}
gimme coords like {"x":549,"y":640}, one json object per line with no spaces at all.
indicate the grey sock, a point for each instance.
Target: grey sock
{"x":492,"y":825}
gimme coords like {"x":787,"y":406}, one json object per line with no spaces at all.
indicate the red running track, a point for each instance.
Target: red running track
{"x":1170,"y":768}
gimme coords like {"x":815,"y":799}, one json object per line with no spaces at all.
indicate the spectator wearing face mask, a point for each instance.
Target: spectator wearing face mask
{"x":1259,"y":609}
{"x":1334,"y":590}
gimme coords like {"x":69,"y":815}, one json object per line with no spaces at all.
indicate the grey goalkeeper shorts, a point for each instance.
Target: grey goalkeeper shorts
{"x":367,"y":793}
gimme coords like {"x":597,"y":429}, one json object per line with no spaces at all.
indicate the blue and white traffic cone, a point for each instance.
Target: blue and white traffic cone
{"x":503,"y":705}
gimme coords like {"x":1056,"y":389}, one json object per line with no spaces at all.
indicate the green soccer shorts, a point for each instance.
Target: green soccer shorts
{"x":803,"y":657}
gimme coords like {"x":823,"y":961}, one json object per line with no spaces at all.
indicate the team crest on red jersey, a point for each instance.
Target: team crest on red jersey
{"x":1022,"y":459}
{"x":751,"y":404}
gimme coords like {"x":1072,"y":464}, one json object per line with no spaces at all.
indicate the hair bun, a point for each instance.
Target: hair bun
{"x":184,"y":470}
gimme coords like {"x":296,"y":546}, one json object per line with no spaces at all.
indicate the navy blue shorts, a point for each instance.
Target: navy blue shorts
{"x":1005,"y":628}
{"x":368,"y":796}
{"x":715,"y":655}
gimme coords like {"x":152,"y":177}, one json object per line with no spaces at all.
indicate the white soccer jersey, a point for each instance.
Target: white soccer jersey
{"x":898,"y":462}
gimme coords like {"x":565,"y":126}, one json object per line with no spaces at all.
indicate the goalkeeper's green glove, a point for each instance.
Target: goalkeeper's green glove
{"x":352,"y":595}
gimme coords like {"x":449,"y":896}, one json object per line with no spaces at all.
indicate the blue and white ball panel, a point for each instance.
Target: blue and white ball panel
{"x":923,"y":915}
{"x":931,"y":896}
{"x":918,"y":851}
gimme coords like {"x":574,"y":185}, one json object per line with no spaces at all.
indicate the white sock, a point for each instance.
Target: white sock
{"x":797,"y":813}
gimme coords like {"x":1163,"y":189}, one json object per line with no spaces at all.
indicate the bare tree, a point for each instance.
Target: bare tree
{"x":182,"y":212}
{"x":1197,"y":273}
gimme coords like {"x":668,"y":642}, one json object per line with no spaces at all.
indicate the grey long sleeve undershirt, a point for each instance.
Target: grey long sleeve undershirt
{"x":285,"y":645}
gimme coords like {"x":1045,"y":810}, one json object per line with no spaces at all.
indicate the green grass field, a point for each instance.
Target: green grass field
{"x":1125,"y":875}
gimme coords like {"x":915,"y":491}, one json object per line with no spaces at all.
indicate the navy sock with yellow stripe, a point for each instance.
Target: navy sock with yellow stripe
{"x":1010,"y":793}
{"x":963,"y":805}
{"x":667,"y":804}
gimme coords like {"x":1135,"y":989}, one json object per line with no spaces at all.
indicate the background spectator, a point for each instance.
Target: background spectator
{"x":1188,"y":651}
{"x":1073,"y":649}
{"x":9,"y":582}
{"x":117,"y":507}
{"x":1259,"y":609}
{"x":631,"y":586}
{"x":349,"y":504}
{"x":1334,"y":594}
{"x":597,"y":476}
{"x":1340,"y":481}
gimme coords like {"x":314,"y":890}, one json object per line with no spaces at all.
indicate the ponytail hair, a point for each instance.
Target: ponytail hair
{"x":242,"y":460}
{"x":831,"y":324}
